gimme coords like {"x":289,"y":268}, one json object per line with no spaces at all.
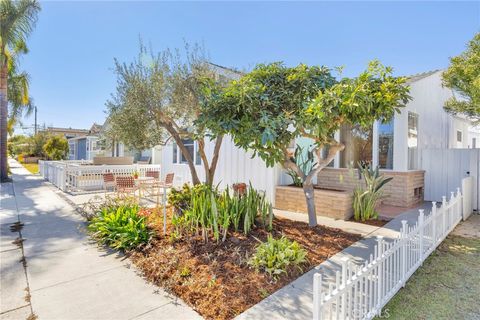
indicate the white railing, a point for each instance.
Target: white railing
{"x":82,"y":176}
{"x":361,"y":291}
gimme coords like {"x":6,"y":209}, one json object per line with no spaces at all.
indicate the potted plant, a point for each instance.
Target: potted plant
{"x":135,"y":175}
{"x":239,"y":188}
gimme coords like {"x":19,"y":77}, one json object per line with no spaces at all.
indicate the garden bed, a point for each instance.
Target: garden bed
{"x":214,"y":278}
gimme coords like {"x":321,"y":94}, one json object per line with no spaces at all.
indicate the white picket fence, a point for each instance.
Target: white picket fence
{"x":82,"y":176}
{"x":361,"y":291}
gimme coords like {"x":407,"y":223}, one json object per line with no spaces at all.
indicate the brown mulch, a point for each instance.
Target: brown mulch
{"x":215,"y":279}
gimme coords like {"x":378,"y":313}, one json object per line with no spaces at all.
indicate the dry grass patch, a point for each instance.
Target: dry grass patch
{"x":447,"y":286}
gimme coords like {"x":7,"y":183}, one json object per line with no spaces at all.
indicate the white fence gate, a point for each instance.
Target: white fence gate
{"x":445,"y":169}
{"x":360,"y":292}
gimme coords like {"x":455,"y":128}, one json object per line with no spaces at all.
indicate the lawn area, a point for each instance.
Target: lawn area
{"x":447,"y":286}
{"x":32,"y":167}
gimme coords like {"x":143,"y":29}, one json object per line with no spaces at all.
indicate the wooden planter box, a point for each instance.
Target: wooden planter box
{"x":328,"y":203}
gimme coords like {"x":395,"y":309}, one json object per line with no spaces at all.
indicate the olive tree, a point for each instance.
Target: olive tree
{"x":273,"y":105}
{"x":159,"y":97}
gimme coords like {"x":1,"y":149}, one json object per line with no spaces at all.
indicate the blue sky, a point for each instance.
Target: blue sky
{"x":74,"y":44}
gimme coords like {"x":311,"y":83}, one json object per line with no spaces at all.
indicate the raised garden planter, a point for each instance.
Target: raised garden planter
{"x":335,"y":204}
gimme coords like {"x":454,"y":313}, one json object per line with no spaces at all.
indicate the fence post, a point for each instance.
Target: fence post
{"x":421,"y":225}
{"x":343,"y":286}
{"x":444,"y":215}
{"x":451,"y":212}
{"x":434,"y":223}
{"x":317,"y":297}
{"x":403,"y":235}
{"x":459,"y":205}
{"x":380,"y":270}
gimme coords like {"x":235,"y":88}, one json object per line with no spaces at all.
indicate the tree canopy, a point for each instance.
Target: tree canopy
{"x":273,"y":105}
{"x":159,"y":97}
{"x":463,"y":76}
{"x":56,"y":147}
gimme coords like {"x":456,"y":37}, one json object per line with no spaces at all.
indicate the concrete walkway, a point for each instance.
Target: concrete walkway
{"x":295,"y":301}
{"x":67,"y":276}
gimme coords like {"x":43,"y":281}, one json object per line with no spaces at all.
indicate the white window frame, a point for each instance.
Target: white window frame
{"x":461,"y":136}
{"x":178,"y":159}
{"x":71,"y":149}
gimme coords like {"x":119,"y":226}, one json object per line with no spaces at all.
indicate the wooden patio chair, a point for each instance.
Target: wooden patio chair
{"x":125,"y":186}
{"x":151,"y":187}
{"x":108,"y":181}
{"x":168,"y":183}
{"x":153,"y":174}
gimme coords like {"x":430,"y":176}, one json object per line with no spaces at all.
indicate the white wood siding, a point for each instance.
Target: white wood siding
{"x":234,"y":165}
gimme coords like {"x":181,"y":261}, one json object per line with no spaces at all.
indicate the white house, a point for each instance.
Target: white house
{"x":396,"y":146}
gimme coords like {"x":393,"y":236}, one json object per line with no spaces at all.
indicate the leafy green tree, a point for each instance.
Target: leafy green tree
{"x":159,"y":97}
{"x":17,"y":19}
{"x":463,"y":76}
{"x":18,"y":144}
{"x":36,"y":143}
{"x":56,"y":147}
{"x":273,"y":105}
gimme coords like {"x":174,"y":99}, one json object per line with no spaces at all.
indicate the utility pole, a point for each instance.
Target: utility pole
{"x":35,"y":120}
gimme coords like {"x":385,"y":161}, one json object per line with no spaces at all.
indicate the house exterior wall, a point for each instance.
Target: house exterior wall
{"x":234,"y":165}
{"x":404,"y":190}
{"x":436,"y":128}
{"x":81,"y":149}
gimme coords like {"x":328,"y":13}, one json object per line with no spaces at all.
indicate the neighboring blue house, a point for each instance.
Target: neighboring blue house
{"x":84,"y":147}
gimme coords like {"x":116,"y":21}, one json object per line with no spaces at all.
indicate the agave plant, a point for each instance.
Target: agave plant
{"x":306,"y":164}
{"x":365,"y":199}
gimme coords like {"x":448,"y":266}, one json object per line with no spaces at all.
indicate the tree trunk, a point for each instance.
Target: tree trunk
{"x":216,"y":155}
{"x":310,"y":198}
{"x":210,"y":168}
{"x":307,"y":183}
{"x":176,"y":136}
{"x":3,"y":122}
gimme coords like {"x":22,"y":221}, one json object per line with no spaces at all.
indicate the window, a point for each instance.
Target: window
{"x":189,"y":145}
{"x":71,"y":149}
{"x":358,"y":145}
{"x":412,"y":141}
{"x":459,"y":135}
{"x":192,"y":148}
{"x":385,"y":145}
{"x":175,"y":153}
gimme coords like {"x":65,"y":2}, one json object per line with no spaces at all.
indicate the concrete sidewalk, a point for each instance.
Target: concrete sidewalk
{"x":69,"y":277}
{"x":295,"y":300}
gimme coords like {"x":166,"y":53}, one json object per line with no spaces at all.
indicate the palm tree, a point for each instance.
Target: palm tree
{"x":18,"y":97}
{"x":17,"y":20}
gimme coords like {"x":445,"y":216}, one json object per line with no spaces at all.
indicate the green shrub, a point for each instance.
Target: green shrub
{"x":365,"y":199}
{"x":121,"y":228}
{"x":181,"y":199}
{"x":276,"y":256}
{"x":56,"y":148}
{"x":97,"y":204}
{"x":210,"y":213}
